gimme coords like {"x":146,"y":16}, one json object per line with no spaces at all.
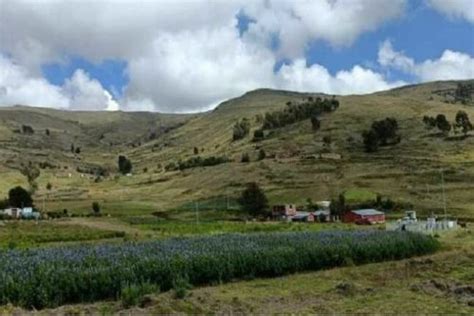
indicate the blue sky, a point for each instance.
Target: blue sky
{"x":178,"y":57}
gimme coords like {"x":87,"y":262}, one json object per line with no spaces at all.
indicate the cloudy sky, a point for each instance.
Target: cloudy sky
{"x":189,"y":55}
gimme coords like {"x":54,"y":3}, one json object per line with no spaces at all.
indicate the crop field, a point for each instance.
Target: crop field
{"x":27,"y":234}
{"x":50,"y":277}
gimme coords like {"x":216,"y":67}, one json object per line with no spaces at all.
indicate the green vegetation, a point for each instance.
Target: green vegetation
{"x":241,"y":129}
{"x":28,"y":234}
{"x":253,"y":200}
{"x":382,"y":133}
{"x":89,"y":273}
{"x":124,"y":165}
{"x":19,"y":197}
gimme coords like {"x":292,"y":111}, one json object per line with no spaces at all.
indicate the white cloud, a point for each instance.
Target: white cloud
{"x":297,"y":76}
{"x":450,"y":66}
{"x":187,"y":56}
{"x":87,"y":94}
{"x":19,"y":86}
{"x":455,"y":8}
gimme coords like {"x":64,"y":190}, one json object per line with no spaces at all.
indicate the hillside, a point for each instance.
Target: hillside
{"x":293,"y":171}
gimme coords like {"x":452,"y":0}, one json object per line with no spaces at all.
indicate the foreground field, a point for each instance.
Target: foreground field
{"x":54,"y":276}
{"x":432,"y":284}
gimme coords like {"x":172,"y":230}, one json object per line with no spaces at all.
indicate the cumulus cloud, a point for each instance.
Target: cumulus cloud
{"x":455,"y":8}
{"x":450,"y":66}
{"x":19,"y":86}
{"x":187,"y":57}
{"x":297,"y":76}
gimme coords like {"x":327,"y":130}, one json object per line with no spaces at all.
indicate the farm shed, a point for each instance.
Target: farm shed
{"x":284,"y":211}
{"x":365,"y":216}
{"x":12,"y":212}
{"x":303,"y":217}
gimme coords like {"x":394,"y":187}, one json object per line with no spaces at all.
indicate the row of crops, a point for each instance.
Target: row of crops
{"x":54,"y":276}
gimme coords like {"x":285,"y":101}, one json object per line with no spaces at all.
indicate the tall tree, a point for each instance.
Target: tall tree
{"x":463,"y":122}
{"x":253,"y":200}
{"x":19,"y":197}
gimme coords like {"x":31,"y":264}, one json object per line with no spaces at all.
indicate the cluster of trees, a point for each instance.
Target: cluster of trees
{"x":381,"y":133}
{"x":197,"y":161}
{"x":461,"y":123}
{"x":31,"y":172}
{"x":124,"y":165}
{"x":241,"y":129}
{"x":295,"y":112}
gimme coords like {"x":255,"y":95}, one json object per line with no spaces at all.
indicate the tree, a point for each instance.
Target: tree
{"x":196,"y":150}
{"x":262,"y":154}
{"x":443,"y":124}
{"x":96,"y":207}
{"x":27,"y":130}
{"x":253,"y":200}
{"x":371,"y":141}
{"x":241,"y":129}
{"x":47,"y":132}
{"x":386,"y":129}
{"x":338,"y":206}
{"x":258,"y":135}
{"x":463,"y":122}
{"x":315,"y":123}
{"x":19,"y":197}
{"x":430,"y":122}
{"x":49,"y":186}
{"x":245,"y":158}
{"x":31,"y":173}
{"x":124,"y":165}
{"x":327,"y":141}
{"x":73,"y":149}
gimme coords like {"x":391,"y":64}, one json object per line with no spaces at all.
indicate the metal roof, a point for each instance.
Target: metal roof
{"x":366,"y":212}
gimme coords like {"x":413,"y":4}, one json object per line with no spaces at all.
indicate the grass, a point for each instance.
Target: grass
{"x":28,"y":234}
{"x":172,"y":228}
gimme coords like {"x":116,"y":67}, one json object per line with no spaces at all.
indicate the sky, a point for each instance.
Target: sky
{"x":189,"y":55}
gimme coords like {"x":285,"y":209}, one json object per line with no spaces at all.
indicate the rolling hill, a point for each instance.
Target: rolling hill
{"x":300,"y":163}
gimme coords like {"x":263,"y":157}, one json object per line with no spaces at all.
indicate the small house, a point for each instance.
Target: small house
{"x":13,"y":212}
{"x":303,"y":217}
{"x":364,"y":216}
{"x":322,"y":215}
{"x":284,"y":211}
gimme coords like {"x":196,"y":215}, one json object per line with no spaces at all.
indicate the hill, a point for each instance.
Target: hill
{"x":300,"y":163}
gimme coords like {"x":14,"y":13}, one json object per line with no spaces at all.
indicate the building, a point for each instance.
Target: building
{"x":365,"y":216}
{"x":13,"y":212}
{"x":284,"y":211}
{"x":322,"y":215}
{"x":303,"y":217}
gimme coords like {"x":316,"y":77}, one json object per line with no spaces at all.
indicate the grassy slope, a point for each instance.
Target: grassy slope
{"x":406,"y":172}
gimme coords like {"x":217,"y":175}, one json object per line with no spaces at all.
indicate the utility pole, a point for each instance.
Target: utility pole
{"x":444,"y":194}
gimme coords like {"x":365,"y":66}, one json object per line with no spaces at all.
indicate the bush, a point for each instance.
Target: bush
{"x":245,"y":158}
{"x":241,"y":129}
{"x":181,"y":286}
{"x":48,"y":277}
{"x":124,"y":165}
{"x":132,"y":294}
{"x":96,"y":207}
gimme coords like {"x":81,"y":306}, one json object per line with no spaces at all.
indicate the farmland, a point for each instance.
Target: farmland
{"x":81,"y":274}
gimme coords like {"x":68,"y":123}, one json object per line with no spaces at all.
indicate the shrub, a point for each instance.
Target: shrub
{"x":132,"y":294}
{"x":124,"y":165}
{"x":245,"y":158}
{"x":258,"y":135}
{"x":262,"y":154}
{"x":241,"y":129}
{"x":96,"y":207}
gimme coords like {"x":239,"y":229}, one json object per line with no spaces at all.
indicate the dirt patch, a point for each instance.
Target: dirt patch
{"x":461,"y":292}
